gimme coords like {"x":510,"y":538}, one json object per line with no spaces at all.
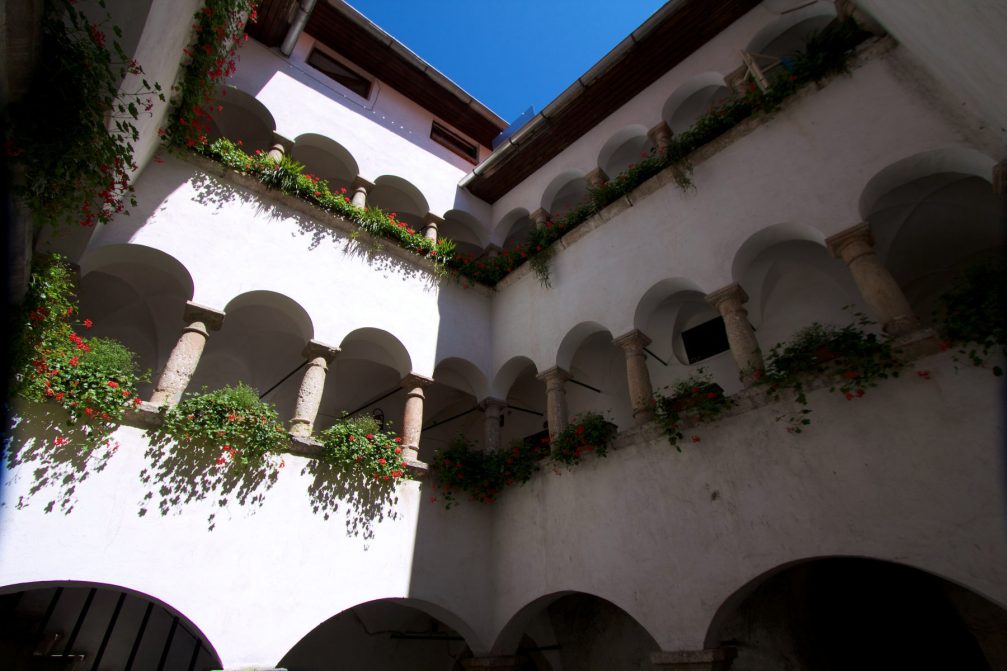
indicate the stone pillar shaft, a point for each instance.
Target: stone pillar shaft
{"x":596,"y":179}
{"x":412,"y":416}
{"x":492,"y":412}
{"x":431,"y":224}
{"x":1000,"y":178}
{"x":729,"y":302}
{"x":884,"y":297}
{"x":640,"y":389}
{"x":309,"y":396}
{"x":540,"y":217}
{"x":360,"y":188}
{"x":184,"y":358}
{"x":660,"y":135}
{"x":276,"y":152}
{"x":555,"y":398}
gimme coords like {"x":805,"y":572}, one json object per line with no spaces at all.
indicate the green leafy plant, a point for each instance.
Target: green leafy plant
{"x":462,"y":467}
{"x":219,"y":31}
{"x":71,"y":135}
{"x":589,"y":433}
{"x":358,"y":444}
{"x":973,"y":314}
{"x":855,"y":359}
{"x":289,"y":176}
{"x":232,"y":420}
{"x":694,"y":400}
{"x":94,"y":380}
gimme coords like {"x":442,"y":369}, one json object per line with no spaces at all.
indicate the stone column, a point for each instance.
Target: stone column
{"x":492,"y":412}
{"x":660,"y":135}
{"x":360,"y":188}
{"x":716,"y":659}
{"x":508,"y":663}
{"x":492,"y":250}
{"x":431,"y":223}
{"x":184,"y":358}
{"x":729,"y":303}
{"x":640,"y":390}
{"x":281,"y":147}
{"x":848,"y":9}
{"x":1000,"y":178}
{"x":412,"y":419}
{"x":555,"y":398}
{"x":884,"y":297}
{"x":540,"y":217}
{"x":309,"y":397}
{"x":596,"y":179}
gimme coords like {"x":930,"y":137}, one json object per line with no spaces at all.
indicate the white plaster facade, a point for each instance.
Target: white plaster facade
{"x":912,"y":475}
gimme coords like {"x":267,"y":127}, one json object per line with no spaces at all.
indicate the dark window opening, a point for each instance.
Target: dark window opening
{"x":707,"y":339}
{"x":342,"y":74}
{"x":459,"y":145}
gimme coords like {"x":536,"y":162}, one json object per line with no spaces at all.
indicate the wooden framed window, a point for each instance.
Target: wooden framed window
{"x":706,"y":340}
{"x":456,"y":143}
{"x":331,"y":67}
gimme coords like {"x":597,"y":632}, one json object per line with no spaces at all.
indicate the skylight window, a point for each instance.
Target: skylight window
{"x":342,"y":74}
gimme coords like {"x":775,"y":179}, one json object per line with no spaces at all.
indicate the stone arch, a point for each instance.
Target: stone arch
{"x":136,"y":295}
{"x":260,"y":343}
{"x":558,"y":616}
{"x":962,"y":160}
{"x":573,"y":340}
{"x":377,"y":345}
{"x":350,"y":635}
{"x":597,"y":368}
{"x":565,"y":191}
{"x":623,"y":149}
{"x":932,"y":616}
{"x":395,"y":194}
{"x":666,"y":310}
{"x":517,"y":383}
{"x":325,"y":158}
{"x":513,"y":229}
{"x":693,"y":99}
{"x":113,"y":611}
{"x":465,"y":230}
{"x":242,"y":117}
{"x":932,"y":216}
{"x":789,"y":32}
{"x":462,"y":375}
{"x":792,"y":281}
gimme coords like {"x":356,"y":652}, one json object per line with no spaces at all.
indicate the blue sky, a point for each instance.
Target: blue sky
{"x":510,"y":54}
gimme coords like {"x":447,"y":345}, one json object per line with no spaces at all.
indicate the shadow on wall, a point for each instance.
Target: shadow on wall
{"x":218,"y":194}
{"x":368,"y":502}
{"x":41,"y":443}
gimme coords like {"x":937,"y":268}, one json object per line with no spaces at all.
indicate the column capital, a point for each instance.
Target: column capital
{"x":554,"y":378}
{"x":415,"y":381}
{"x":490,"y":402}
{"x":540,"y":216}
{"x":596,"y":178}
{"x":361,"y":183}
{"x":285,"y":142}
{"x":431,"y":219}
{"x":632,"y":342}
{"x":732,"y":293}
{"x":660,"y":134}
{"x":315,"y":349}
{"x":508,"y":663}
{"x":713,"y":659}
{"x":492,"y":250}
{"x":1000,"y":178}
{"x":211,"y":318}
{"x":850,"y":243}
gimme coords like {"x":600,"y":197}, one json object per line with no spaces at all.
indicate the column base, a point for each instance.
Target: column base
{"x":716,"y":659}
{"x":300,"y":427}
{"x":918,"y":343}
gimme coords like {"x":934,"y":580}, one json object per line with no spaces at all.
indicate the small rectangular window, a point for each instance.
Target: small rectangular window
{"x":707,"y":339}
{"x":342,"y":74}
{"x":454,"y":142}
